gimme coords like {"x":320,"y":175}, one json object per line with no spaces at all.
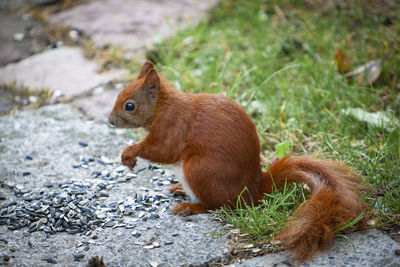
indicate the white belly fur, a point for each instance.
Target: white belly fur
{"x":178,"y":170}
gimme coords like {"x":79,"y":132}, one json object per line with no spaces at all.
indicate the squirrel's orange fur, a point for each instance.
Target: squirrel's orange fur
{"x":216,"y":143}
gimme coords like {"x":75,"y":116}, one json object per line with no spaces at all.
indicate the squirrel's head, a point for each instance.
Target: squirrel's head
{"x":135,"y":105}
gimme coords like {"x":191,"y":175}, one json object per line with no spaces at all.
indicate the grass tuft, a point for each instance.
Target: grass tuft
{"x":263,"y":221}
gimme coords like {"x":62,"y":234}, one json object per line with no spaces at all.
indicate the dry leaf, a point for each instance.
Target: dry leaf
{"x":342,"y":61}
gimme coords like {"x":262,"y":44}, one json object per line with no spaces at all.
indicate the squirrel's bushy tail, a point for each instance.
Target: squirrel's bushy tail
{"x":334,"y":201}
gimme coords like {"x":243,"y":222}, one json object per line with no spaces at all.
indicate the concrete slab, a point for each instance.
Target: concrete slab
{"x":131,"y":24}
{"x":20,"y":37}
{"x":20,"y":4}
{"x":371,"y":248}
{"x":63,"y":69}
{"x":98,"y":106}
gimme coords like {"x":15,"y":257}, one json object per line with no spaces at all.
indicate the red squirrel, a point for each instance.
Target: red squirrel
{"x":216,"y":144}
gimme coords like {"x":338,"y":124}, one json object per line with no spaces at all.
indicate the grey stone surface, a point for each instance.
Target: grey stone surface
{"x":20,"y":37}
{"x":63,"y":69}
{"x":372,"y":248}
{"x":131,"y":24}
{"x":99,"y":105}
{"x":8,"y":5}
{"x":50,"y":135}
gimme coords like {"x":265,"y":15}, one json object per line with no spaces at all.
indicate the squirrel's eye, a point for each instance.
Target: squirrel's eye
{"x":129,"y":106}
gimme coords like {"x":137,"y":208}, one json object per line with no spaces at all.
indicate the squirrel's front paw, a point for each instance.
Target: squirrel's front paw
{"x":128,"y":158}
{"x":177,"y":189}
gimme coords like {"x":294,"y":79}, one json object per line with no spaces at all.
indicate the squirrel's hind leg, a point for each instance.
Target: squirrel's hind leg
{"x":186,"y":208}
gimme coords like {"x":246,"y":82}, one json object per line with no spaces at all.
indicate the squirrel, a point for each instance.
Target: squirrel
{"x":216,"y":145}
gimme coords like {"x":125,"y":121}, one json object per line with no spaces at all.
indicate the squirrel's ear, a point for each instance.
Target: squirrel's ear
{"x":152,"y":84}
{"x":145,"y":69}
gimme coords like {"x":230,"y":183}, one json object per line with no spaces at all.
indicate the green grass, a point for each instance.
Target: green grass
{"x":263,"y":221}
{"x":250,"y":52}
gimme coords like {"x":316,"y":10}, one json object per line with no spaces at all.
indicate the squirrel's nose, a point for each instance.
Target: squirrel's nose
{"x":112,"y":120}
{"x":116,"y":121}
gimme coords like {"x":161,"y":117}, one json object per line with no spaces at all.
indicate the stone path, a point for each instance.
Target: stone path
{"x":20,"y":37}
{"x":371,"y":248}
{"x":131,"y":25}
{"x":64,"y":197}
{"x":63,"y":69}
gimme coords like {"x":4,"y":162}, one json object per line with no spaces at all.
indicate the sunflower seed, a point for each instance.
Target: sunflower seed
{"x":50,"y":260}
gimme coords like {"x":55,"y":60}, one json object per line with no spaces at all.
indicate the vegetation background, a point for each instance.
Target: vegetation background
{"x":283,"y":61}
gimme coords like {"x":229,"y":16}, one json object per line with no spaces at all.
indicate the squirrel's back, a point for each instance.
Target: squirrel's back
{"x":220,"y":124}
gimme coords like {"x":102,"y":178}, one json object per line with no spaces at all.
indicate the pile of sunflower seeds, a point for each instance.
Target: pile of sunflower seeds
{"x":80,"y":206}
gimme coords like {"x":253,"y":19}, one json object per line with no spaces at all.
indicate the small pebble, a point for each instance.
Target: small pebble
{"x":19,"y":186}
{"x":135,"y":233}
{"x":74,"y":35}
{"x":33,"y":99}
{"x":19,"y":36}
{"x":57,"y":94}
